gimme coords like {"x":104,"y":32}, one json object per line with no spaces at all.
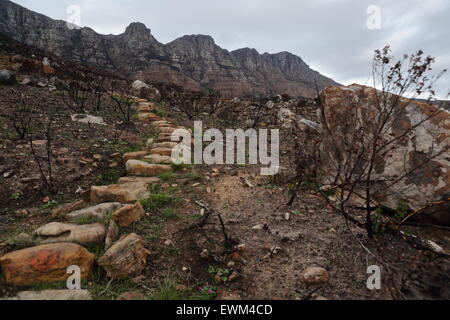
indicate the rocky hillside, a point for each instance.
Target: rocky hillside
{"x":194,"y":61}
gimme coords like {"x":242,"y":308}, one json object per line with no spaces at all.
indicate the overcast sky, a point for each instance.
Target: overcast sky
{"x":332,"y":36}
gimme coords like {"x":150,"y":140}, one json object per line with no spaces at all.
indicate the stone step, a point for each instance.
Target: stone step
{"x":146,"y":180}
{"x":148,"y":117}
{"x":134,"y":155}
{"x":162,"y":151}
{"x":55,"y":232}
{"x":141,"y":168}
{"x":123,"y":193}
{"x":98,"y":212}
{"x":45,"y":264}
{"x":158,"y":159}
{"x":165,"y":145}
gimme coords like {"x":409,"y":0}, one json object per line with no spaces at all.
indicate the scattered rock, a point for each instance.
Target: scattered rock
{"x":126,"y":258}
{"x":55,"y":295}
{"x":123,"y":193}
{"x":98,"y":212}
{"x":314,"y":276}
{"x":46,"y":263}
{"x":233,"y":277}
{"x":88,"y":119}
{"x":64,"y":209}
{"x":7,"y":77}
{"x":112,"y":234}
{"x":204,"y":254}
{"x":126,"y":216}
{"x":55,"y":232}
{"x":138,"y":85}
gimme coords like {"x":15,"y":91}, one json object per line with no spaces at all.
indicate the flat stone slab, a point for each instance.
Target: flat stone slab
{"x":146,"y":180}
{"x":134,"y":155}
{"x":123,"y":193}
{"x":162,"y":151}
{"x":158,"y":159}
{"x":45,"y":263}
{"x":96,"y":212}
{"x":55,"y":232}
{"x":141,"y":168}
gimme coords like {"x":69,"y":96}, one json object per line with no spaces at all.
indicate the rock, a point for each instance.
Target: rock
{"x":55,"y":232}
{"x":146,"y":180}
{"x":138,"y":85}
{"x":228,"y":296}
{"x":124,"y":193}
{"x":126,"y":216}
{"x":429,"y":184}
{"x":7,"y":77}
{"x":231,"y":264}
{"x":167,"y":130}
{"x":132,"y":296}
{"x":21,"y":212}
{"x":162,"y":151}
{"x":134,"y":156}
{"x":88,"y":119}
{"x":148,"y":117}
{"x":54,"y":295}
{"x":98,"y":212}
{"x":45,"y":263}
{"x":112,"y":234}
{"x":314,"y":276}
{"x":204,"y":254}
{"x":141,"y":168}
{"x":144,"y":108}
{"x":64,"y":209}
{"x":157,"y":159}
{"x":150,"y":143}
{"x":126,"y":258}
{"x":233,"y":277}
{"x":166,"y":145}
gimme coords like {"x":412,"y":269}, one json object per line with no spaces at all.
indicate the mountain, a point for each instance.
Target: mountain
{"x":195,"y":62}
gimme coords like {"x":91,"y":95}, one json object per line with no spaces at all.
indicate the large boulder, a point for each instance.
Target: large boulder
{"x":45,"y":263}
{"x":126,"y":258}
{"x":124,"y":193}
{"x":141,"y":168}
{"x":138,"y":85}
{"x":134,"y":155}
{"x":98,"y":212}
{"x":429,"y":184}
{"x":55,"y":232}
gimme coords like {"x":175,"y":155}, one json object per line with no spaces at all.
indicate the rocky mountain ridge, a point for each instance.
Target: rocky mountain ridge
{"x":194,"y":61}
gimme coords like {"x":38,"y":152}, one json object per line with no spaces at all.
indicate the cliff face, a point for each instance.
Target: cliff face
{"x":194,"y":62}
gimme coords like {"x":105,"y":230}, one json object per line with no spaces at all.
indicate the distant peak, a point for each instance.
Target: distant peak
{"x":199,"y":37}
{"x":137,"y":27}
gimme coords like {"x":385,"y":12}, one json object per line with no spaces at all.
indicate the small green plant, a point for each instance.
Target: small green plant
{"x":157,"y":200}
{"x":208,"y":292}
{"x":402,"y":211}
{"x":110,"y":177}
{"x":222,"y":273}
{"x":179,"y":167}
{"x":169,"y":214}
{"x":49,"y":205}
{"x":16,"y":196}
{"x":166,"y":176}
{"x":194,"y":176}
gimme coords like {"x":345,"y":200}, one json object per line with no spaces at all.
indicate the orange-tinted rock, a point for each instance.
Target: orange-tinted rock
{"x":149,"y":117}
{"x":134,"y":155}
{"x":126,"y":216}
{"x":126,"y":258}
{"x":141,"y":168}
{"x":123,"y":193}
{"x":46,"y":263}
{"x":162,"y":151}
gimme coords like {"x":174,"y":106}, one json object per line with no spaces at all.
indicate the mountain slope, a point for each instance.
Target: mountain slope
{"x":194,"y":61}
